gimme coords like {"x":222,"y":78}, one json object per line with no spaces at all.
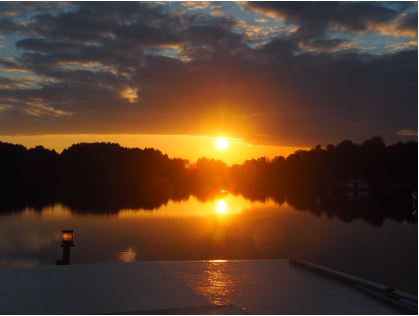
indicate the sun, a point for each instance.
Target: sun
{"x":221,"y":207}
{"x":221,"y":143}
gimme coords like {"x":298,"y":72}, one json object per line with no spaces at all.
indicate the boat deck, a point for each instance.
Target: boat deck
{"x":182,"y":287}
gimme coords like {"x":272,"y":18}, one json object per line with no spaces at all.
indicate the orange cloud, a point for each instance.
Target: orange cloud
{"x":130,"y":94}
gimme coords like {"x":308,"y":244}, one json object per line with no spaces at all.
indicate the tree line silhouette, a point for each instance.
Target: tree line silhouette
{"x":384,"y":167}
{"x":106,"y":177}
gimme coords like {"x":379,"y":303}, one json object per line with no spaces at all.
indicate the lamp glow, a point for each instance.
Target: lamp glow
{"x":68,"y":235}
{"x":67,"y":243}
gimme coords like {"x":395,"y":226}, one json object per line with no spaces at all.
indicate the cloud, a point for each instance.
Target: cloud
{"x":196,"y":5}
{"x":37,"y":109}
{"x":408,"y":132}
{"x":5,"y":107}
{"x":315,"y":19}
{"x":406,"y":24}
{"x":129,"y":93}
{"x":352,"y":16}
{"x":154,"y":68}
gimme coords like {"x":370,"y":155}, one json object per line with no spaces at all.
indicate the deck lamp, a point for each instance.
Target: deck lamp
{"x":66,"y":243}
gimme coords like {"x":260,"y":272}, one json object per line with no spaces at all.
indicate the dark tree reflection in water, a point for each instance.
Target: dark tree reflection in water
{"x":130,"y":204}
{"x":225,"y":227}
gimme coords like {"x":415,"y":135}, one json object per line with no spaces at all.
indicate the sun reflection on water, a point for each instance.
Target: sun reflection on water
{"x":127,"y":255}
{"x":216,"y":284}
{"x":223,"y":204}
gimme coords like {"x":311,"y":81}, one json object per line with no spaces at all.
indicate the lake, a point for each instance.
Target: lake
{"x":222,"y":226}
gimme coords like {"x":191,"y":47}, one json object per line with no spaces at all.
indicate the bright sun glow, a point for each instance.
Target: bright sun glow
{"x":221,"y":143}
{"x":221,"y":207}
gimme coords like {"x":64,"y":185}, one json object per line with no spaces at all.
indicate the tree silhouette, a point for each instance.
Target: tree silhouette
{"x":105,"y":177}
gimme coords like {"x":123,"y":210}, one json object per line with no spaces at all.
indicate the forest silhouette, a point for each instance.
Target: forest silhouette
{"x":106,"y":177}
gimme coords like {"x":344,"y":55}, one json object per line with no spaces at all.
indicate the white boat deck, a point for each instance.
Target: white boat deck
{"x":181,"y":287}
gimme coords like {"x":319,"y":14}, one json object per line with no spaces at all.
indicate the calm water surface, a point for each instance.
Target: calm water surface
{"x":225,"y":227}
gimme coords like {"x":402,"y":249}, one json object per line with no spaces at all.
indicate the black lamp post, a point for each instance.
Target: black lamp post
{"x":67,"y":242}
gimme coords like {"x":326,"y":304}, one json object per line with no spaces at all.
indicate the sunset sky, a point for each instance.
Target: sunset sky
{"x":270,"y":77}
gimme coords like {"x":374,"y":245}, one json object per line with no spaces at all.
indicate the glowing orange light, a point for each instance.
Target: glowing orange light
{"x":127,"y":255}
{"x":221,"y":143}
{"x":221,"y":207}
{"x":68,"y":235}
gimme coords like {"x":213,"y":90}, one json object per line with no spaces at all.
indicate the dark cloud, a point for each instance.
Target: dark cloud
{"x":408,"y":25}
{"x":45,"y":46}
{"x":318,"y":17}
{"x":8,"y":25}
{"x":140,"y":67}
{"x":25,"y":8}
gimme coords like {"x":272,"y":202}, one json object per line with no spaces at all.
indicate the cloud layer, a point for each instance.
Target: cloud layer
{"x":285,"y":73}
